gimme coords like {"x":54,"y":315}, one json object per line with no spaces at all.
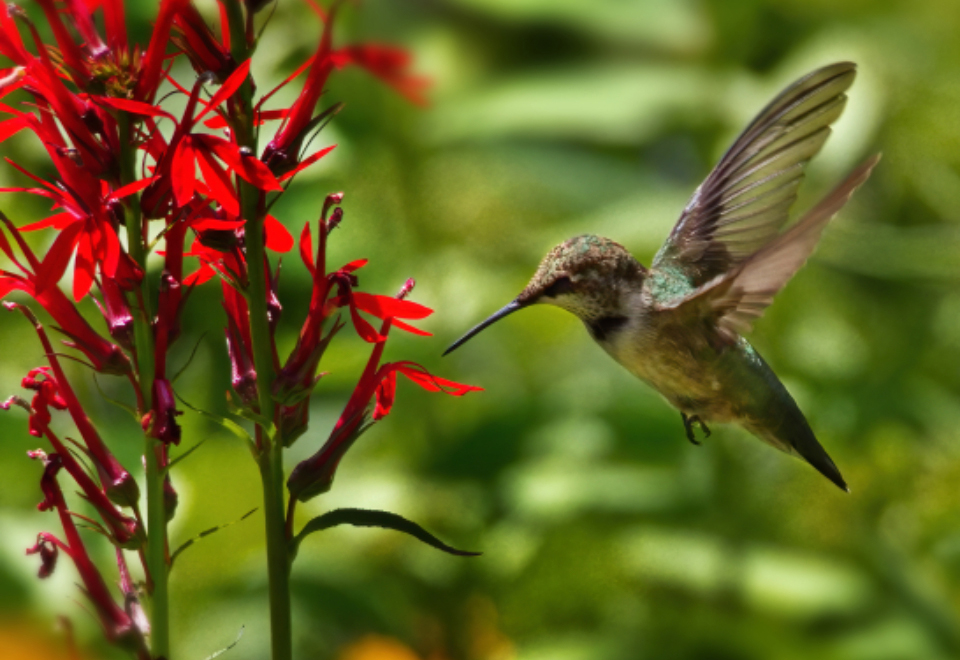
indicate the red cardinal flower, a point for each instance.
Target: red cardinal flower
{"x":377,"y":385}
{"x":39,"y":280}
{"x":117,"y":481}
{"x":389,"y":64}
{"x":115,"y":621}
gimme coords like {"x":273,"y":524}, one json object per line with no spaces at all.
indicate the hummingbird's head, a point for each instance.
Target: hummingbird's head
{"x":585,"y":275}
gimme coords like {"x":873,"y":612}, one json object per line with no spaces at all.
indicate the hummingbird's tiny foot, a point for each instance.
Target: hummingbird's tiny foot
{"x":703,"y":426}
{"x":688,"y":425}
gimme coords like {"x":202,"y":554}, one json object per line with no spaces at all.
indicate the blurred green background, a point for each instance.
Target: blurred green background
{"x":605,"y":534}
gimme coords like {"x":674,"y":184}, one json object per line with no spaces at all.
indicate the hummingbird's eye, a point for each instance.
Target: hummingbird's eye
{"x":560,"y":286}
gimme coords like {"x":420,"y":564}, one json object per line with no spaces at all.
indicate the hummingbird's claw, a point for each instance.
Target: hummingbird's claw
{"x":688,"y":422}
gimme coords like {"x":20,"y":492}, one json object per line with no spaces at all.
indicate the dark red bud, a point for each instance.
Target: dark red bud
{"x":335,"y":219}
{"x":165,"y":411}
{"x":333,"y":199}
{"x":48,"y":552}
{"x":116,"y":312}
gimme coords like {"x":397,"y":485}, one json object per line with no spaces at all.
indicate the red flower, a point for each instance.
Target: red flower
{"x":239,"y":345}
{"x":116,"y":623}
{"x":39,"y":281}
{"x":314,"y":475}
{"x":118,"y":483}
{"x":124,"y":530}
{"x":389,"y":64}
{"x":206,"y":54}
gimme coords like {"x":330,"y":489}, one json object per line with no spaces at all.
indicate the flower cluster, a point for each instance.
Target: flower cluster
{"x":179,"y":185}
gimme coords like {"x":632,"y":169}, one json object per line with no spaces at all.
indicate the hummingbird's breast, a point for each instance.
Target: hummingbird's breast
{"x":696,"y":374}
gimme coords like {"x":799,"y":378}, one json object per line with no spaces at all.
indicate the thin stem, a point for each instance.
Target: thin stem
{"x":271,"y":448}
{"x":143,"y":336}
{"x":278,"y":557}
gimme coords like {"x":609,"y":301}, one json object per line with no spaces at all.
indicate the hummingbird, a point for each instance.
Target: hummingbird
{"x":678,"y":325}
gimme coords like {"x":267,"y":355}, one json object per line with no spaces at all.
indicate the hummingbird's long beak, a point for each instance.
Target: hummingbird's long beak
{"x":496,"y":316}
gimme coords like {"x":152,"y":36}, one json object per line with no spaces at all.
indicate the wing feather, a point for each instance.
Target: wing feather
{"x":745,"y":201}
{"x":732,"y":301}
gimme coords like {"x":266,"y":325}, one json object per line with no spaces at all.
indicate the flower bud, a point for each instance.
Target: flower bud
{"x":164,"y":421}
{"x":48,"y":551}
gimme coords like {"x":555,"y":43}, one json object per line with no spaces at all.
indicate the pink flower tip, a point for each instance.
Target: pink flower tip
{"x":406,"y":288}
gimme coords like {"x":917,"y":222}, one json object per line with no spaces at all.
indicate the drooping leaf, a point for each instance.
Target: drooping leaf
{"x":374,"y":518}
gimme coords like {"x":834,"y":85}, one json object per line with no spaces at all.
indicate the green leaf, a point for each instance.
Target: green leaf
{"x":255,"y":417}
{"x":185,"y":454}
{"x":374,"y":518}
{"x":208,"y":532}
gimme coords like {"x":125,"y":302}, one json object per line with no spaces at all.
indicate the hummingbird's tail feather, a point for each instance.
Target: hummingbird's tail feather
{"x":794,"y":436}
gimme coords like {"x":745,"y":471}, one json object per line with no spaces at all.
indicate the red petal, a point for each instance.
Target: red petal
{"x":200,"y":276}
{"x":111,"y":256}
{"x":133,"y":107}
{"x":227,"y":89}
{"x":390,"y":64}
{"x":286,"y":81}
{"x":83,"y":271}
{"x":221,"y":189}
{"x":249,"y":167}
{"x":183,"y":172}
{"x":224,"y":25}
{"x":34,"y":177}
{"x":307,"y":162}
{"x":131,"y":188}
{"x":306,"y":248}
{"x":152,"y":60}
{"x":279,"y":238}
{"x":386,"y":395}
{"x":354,"y":265}
{"x":364,"y":329}
{"x":114,"y":24}
{"x":432,"y":383}
{"x":58,"y":221}
{"x":386,"y":307}
{"x":10,"y":127}
{"x":58,"y":256}
{"x":397,"y":323}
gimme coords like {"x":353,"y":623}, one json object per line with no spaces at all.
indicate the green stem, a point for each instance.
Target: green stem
{"x":271,"y":448}
{"x":143,"y":335}
{"x":278,"y":556}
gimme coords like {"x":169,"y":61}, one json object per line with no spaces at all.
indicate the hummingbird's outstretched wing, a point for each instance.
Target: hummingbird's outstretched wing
{"x":733,"y":300}
{"x":744,"y":202}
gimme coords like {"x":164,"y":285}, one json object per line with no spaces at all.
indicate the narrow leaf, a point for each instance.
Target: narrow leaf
{"x":207,"y":532}
{"x":374,"y":518}
{"x":185,"y":454}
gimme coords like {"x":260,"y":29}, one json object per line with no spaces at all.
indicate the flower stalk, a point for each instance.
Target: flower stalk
{"x":155,"y":473}
{"x":268,"y":439}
